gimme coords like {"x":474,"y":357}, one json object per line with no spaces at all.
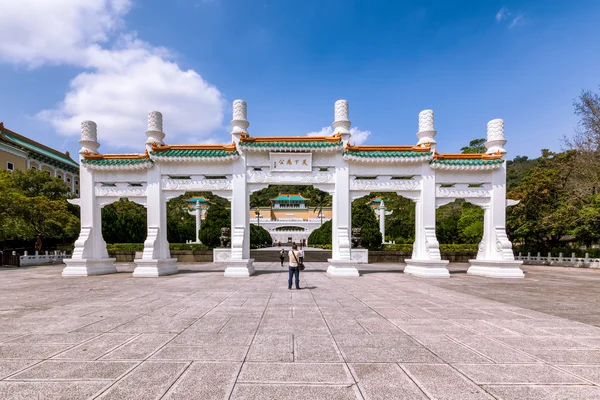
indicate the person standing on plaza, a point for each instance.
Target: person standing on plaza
{"x":282,"y":256}
{"x":301,"y":254}
{"x":294,"y":266}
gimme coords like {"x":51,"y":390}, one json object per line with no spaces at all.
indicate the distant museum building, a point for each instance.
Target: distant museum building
{"x":18,"y":152}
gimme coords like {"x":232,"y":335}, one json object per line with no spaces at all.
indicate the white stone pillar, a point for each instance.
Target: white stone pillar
{"x":156,"y":259}
{"x":154,"y":133}
{"x":341,"y":123}
{"x":198,"y":221}
{"x":495,"y":257}
{"x":90,"y":256}
{"x":240,"y":263}
{"x":382,"y":213}
{"x":341,"y":263}
{"x":426,"y":260}
{"x":427,"y":130}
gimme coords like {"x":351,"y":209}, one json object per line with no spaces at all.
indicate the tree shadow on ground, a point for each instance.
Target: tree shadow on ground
{"x":380,"y":271}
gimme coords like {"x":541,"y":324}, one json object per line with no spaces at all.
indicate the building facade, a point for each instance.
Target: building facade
{"x":18,"y":152}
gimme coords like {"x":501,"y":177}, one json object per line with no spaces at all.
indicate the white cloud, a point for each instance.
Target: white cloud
{"x":357,"y":136}
{"x":120,"y":83}
{"x":501,"y":14}
{"x":511,"y":18}
{"x":124,"y":84}
{"x":35,"y":32}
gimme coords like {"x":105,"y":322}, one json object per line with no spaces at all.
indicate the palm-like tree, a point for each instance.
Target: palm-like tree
{"x":320,"y":203}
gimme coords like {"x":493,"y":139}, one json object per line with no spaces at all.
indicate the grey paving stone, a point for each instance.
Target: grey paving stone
{"x":75,"y":370}
{"x":541,"y":342}
{"x":549,"y":392}
{"x":385,"y":381}
{"x":150,"y":380}
{"x":316,"y":349}
{"x":95,"y":348}
{"x":192,"y":338}
{"x":271,"y":348}
{"x":295,"y":373}
{"x":389,"y":354}
{"x":30,"y":350}
{"x":450,"y":351}
{"x":203,"y":353}
{"x":589,"y":372}
{"x":49,"y":390}
{"x":295,"y":392}
{"x":139,"y":348}
{"x":496,"y":351}
{"x":205,"y":381}
{"x":442,"y":382}
{"x":55,"y":338}
{"x":8,"y":367}
{"x":516,"y":373}
{"x":589,"y":356}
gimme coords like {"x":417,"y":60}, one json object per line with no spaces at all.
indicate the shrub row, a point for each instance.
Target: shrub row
{"x":444,"y":248}
{"x":172,"y":246}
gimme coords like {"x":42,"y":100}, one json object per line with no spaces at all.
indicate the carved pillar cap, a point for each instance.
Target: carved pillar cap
{"x":341,"y":123}
{"x":427,"y":131}
{"x":239,"y":123}
{"x":155,"y":129}
{"x":89,"y":138}
{"x":495,"y":137}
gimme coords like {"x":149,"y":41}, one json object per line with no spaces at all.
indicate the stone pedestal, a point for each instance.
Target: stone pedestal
{"x":153,"y":268}
{"x":360,"y":255}
{"x":342,"y":268}
{"x":89,"y":267}
{"x":496,"y":269}
{"x":240,"y":268}
{"x":427,"y":268}
{"x":221,"y":255}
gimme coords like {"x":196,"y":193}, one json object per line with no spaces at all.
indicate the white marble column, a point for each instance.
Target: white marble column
{"x":495,"y":257}
{"x":426,"y":260}
{"x":240,"y":264}
{"x":90,"y":256}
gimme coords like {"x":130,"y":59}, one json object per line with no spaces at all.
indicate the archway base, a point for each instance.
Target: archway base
{"x":427,"y":268}
{"x":496,"y":269}
{"x":154,"y":268}
{"x":240,"y":268}
{"x":342,"y":268}
{"x":88,"y":267}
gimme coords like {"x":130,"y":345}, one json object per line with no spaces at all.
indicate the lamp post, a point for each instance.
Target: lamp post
{"x":257,"y":212}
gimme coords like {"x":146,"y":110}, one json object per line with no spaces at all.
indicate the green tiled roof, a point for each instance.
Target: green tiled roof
{"x":117,"y":161}
{"x":196,"y":199}
{"x":376,"y":154}
{"x":41,"y":151}
{"x":193,"y":153}
{"x":467,"y":162}
{"x":286,"y":198}
{"x":300,"y":145}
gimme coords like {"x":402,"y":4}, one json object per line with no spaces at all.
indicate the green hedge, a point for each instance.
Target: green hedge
{"x":140,"y":246}
{"x":444,"y":248}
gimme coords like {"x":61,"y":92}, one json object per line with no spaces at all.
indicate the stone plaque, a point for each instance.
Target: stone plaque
{"x":299,"y":162}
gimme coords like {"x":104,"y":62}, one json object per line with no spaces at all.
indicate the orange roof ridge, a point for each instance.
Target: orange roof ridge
{"x":227,"y":147}
{"x":333,"y":138}
{"x":422,"y":148}
{"x":129,"y":156}
{"x":475,"y":156}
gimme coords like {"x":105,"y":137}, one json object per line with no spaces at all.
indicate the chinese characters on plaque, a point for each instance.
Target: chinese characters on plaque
{"x":291,"y":162}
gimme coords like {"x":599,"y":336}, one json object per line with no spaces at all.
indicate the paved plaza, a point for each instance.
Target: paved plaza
{"x":385,"y":335}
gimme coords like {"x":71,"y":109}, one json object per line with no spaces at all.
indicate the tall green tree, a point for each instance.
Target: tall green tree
{"x":476,"y":146}
{"x":363,"y":217}
{"x":124,"y":222}
{"x":217,"y":217}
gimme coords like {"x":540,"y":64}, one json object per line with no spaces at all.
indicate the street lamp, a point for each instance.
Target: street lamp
{"x":257,"y":212}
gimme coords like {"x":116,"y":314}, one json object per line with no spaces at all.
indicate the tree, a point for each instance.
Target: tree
{"x":363,"y":217}
{"x":475,"y":147}
{"x":259,"y":236}
{"x":320,"y":201}
{"x":217,"y":217}
{"x":321,"y":235}
{"x":124,"y":222}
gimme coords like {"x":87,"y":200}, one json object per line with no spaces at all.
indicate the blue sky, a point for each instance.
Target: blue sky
{"x":470,"y":61}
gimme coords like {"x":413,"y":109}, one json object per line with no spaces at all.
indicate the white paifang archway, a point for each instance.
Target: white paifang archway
{"x":329,"y":163}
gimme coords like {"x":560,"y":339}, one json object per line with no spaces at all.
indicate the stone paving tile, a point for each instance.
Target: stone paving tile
{"x":389,"y":354}
{"x":451,"y":351}
{"x":571,"y":356}
{"x":271,"y":348}
{"x":553,"y":392}
{"x":49,"y":390}
{"x":541,"y":342}
{"x":316,"y":349}
{"x":150,"y":380}
{"x":495,"y":351}
{"x":95,"y":348}
{"x":295,"y":373}
{"x":204,"y":353}
{"x":192,"y":338}
{"x":30,"y":350}
{"x":589,"y":372}
{"x":75,"y":371}
{"x":443,"y":382}
{"x":56,"y":338}
{"x":516,"y":373}
{"x":9,"y":367}
{"x":205,"y":381}
{"x":295,"y":392}
{"x":140,"y":347}
{"x":385,"y":381}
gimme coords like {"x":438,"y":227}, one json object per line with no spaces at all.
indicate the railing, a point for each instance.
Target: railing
{"x":39,"y":259}
{"x":561,"y":260}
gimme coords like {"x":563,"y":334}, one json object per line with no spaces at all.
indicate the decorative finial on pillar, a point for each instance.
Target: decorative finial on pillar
{"x":495,"y":137}
{"x":89,"y":138}
{"x":342,"y":123}
{"x":239,"y":123}
{"x":427,"y":131}
{"x":155,"y":129}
